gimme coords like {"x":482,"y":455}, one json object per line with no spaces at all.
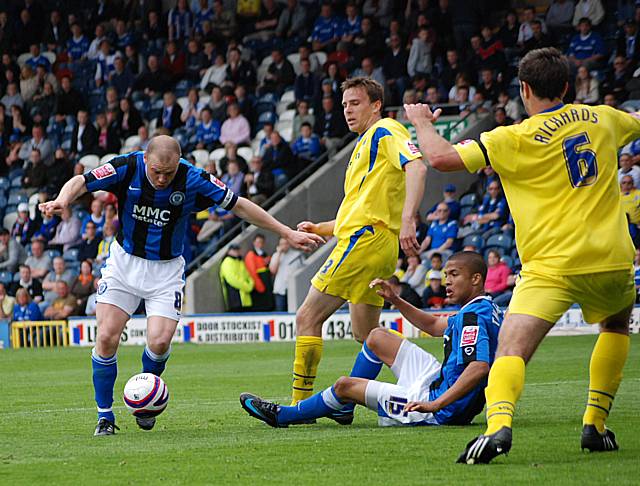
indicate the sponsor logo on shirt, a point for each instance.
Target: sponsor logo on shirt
{"x":218,"y":182}
{"x":103,"y":171}
{"x":412,"y":148}
{"x":147,"y":214}
{"x":469,"y":336}
{"x":466,"y":142}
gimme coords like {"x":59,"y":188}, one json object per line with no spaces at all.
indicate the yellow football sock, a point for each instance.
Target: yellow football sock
{"x":305,"y":366}
{"x":506,"y":380}
{"x":605,"y":372}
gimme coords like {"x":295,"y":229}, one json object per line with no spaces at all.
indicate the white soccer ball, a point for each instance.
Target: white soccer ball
{"x":146,"y":394}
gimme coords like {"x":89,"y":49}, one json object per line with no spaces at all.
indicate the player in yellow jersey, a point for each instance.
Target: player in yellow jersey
{"x":383,"y":188}
{"x":559,"y":173}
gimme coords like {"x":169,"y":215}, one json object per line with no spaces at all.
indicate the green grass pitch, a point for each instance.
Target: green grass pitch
{"x":47,"y":419}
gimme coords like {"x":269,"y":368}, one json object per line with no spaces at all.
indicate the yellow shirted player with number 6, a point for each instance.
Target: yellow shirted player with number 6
{"x":559,"y":172}
{"x":383,"y":187}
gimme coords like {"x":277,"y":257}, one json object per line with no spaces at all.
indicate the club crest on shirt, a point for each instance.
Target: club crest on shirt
{"x":469,"y":336}
{"x":217,"y":182}
{"x":102,"y":287}
{"x":412,"y":148}
{"x":176,"y":198}
{"x":466,"y":142}
{"x":103,"y":171}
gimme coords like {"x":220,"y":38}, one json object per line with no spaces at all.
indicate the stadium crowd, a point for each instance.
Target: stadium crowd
{"x":251,"y":90}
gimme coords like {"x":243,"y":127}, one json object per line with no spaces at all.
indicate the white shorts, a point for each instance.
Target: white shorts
{"x":127,"y":279}
{"x":415,"y":370}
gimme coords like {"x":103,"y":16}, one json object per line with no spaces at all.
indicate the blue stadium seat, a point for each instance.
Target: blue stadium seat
{"x":16,"y":198}
{"x":266,"y":117}
{"x":16,"y":182}
{"x":490,"y":232}
{"x":464,"y":211}
{"x":475,"y":240}
{"x":16,"y":277}
{"x":508,"y":260}
{"x":501,"y":240}
{"x":5,"y":184}
{"x":71,"y":255}
{"x":514,"y":253}
{"x":81,"y":213}
{"x":53,"y":253}
{"x":468,"y":200}
{"x":6,"y":278}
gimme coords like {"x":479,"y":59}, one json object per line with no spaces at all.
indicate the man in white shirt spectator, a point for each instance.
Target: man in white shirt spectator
{"x":39,"y":262}
{"x":284,"y":263}
{"x":628,"y":168}
{"x":526,"y":32}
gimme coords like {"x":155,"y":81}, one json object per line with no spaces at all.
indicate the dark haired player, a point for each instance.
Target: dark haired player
{"x":157,"y":191}
{"x":427,"y":393}
{"x":559,"y":172}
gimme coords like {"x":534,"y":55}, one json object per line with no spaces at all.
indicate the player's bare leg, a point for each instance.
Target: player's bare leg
{"x":111,"y":322}
{"x":160,"y":331}
{"x":519,"y":338}
{"x":605,"y":373}
{"x":316,"y":308}
{"x":364,"y":318}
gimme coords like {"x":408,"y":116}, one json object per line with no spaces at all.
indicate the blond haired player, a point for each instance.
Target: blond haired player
{"x":383,"y":188}
{"x":559,"y":173}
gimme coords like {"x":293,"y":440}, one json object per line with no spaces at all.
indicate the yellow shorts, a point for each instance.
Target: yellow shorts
{"x":547,"y":297}
{"x":370,"y":252}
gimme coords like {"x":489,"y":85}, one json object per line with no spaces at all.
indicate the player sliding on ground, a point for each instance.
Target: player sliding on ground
{"x":157,"y":191}
{"x":427,"y":393}
{"x":383,"y":186}
{"x":559,"y":173}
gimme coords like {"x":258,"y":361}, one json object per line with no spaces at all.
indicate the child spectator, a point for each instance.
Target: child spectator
{"x":307,"y":145}
{"x":207,"y":131}
{"x":434,"y":295}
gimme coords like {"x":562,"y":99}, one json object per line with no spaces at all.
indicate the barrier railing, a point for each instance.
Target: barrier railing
{"x":32,"y":334}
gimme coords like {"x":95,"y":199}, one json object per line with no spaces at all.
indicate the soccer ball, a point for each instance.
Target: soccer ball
{"x":146,"y":395}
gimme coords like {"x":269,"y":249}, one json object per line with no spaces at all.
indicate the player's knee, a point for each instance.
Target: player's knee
{"x":160,"y":344}
{"x":107,"y":343}
{"x":375,"y":338}
{"x":342,"y":386}
{"x":306,"y":321}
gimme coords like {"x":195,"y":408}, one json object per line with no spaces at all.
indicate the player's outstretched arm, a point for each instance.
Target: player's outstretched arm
{"x":254,"y":214}
{"x":416,"y":176}
{"x":424,"y":321}
{"x":467,"y":381}
{"x":439,"y":152}
{"x":324,"y":229}
{"x":73,"y":189}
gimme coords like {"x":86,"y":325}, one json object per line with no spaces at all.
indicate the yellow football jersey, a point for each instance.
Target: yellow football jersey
{"x":560,"y":175}
{"x":374,"y":186}
{"x":631,"y":205}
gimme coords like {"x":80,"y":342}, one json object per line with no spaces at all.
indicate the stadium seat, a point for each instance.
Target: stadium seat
{"x":468,"y":200}
{"x":288,"y":97}
{"x":475,"y":240}
{"x":90,"y":161}
{"x":71,"y":255}
{"x":490,"y":232}
{"x":16,"y":183}
{"x":6,"y":278}
{"x":16,"y":277}
{"x":508,"y":260}
{"x":514,"y":253}
{"x":183,"y":101}
{"x":204,"y":99}
{"x":283,"y":125}
{"x":287,"y":115}
{"x":53,"y":254}
{"x":321,"y":57}
{"x":22,"y":58}
{"x":4,"y":184}
{"x":15,"y":199}
{"x":287,"y":133}
{"x":131,"y":142}
{"x":9,"y":219}
{"x":107,"y":158}
{"x":501,"y":240}
{"x":33,"y":202}
{"x":465,"y":211}
{"x":202,"y":157}
{"x":294,"y":59}
{"x":246,"y":153}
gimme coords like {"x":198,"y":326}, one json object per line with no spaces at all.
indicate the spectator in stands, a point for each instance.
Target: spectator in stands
{"x":405,"y":291}
{"x":82,"y":286}
{"x":63,"y":305}
{"x":434,"y":295}
{"x":234,"y":178}
{"x":44,"y":102}
{"x":525,"y":31}
{"x":59,"y":273}
{"x":394,"y":69}
{"x":489,"y":86}
{"x":35,"y":175}
{"x":369,"y":70}
{"x":462,"y":92}
{"x":326,"y":30}
{"x":169,"y":118}
{"x":37,"y":59}
{"x":24,"y":227}
{"x":302,"y":116}
{"x":153,"y":81}
{"x":307,"y":146}
{"x":292,"y":22}
{"x":38,"y":141}
{"x":56,"y":32}
{"x":616,"y":79}
{"x":215,"y":74}
{"x":559,"y":17}
{"x":195,"y":62}
{"x":284,"y":262}
{"x":108,"y":231}
{"x":39,"y":262}
{"x":218,"y":104}
{"x":280,"y":74}
{"x":441,"y":235}
{"x":257,"y":263}
{"x":239,"y":71}
{"x":12,"y":253}
{"x":492,"y":213}
{"x":90,"y":307}
{"x":629,"y":43}
{"x":497,"y":281}
{"x":105,"y":63}
{"x":279,"y":159}
{"x":223,"y":20}
{"x":121,"y":78}
{"x":589,"y":9}
{"x":436,"y":266}
{"x":420,"y":61}
{"x":630,"y":200}
{"x":68,"y":231}
{"x":88,"y":248}
{"x":77,"y":45}
{"x":84,"y":139}
{"x":587,"y":47}
{"x":500,"y":117}
{"x":369,"y":42}
{"x":627,"y":167}
{"x":129,"y":119}
{"x":24,"y":309}
{"x":111,"y":216}
{"x":108,"y":139}
{"x":207,"y":131}
{"x":236,"y":281}
{"x":449,"y":198}
{"x":180,"y":21}
{"x":174,"y":62}
{"x":143,"y":133}
{"x":587,"y":87}
{"x":330,"y":125}
{"x":259,"y":182}
{"x":12,"y":96}
{"x":68,"y":100}
{"x":245,"y":103}
{"x":236,"y":128}
{"x":26,"y":281}
{"x":307,"y":86}
{"x":414,"y":274}
{"x":21,"y":124}
{"x":96,"y":216}
{"x":6,"y":303}
{"x":94,"y":45}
